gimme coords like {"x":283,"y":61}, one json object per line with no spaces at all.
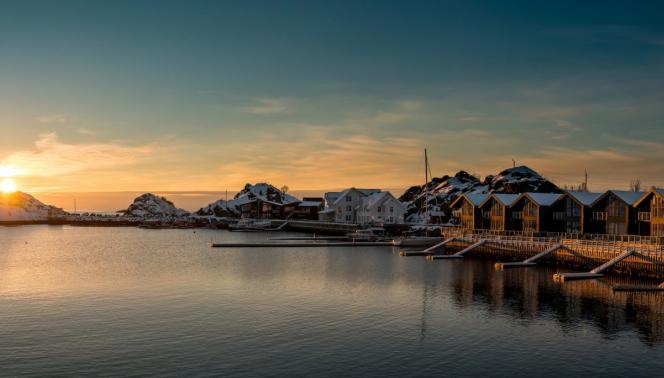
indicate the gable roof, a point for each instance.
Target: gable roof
{"x":542,"y":199}
{"x":584,"y":198}
{"x":630,"y":198}
{"x":647,"y":194}
{"x":364,"y":192}
{"x":475,"y":199}
{"x":504,"y":199}
{"x":377,"y":199}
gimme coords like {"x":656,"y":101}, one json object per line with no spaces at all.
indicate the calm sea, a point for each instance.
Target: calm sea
{"x":133,"y":302}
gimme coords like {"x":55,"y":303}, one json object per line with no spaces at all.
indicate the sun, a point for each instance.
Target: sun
{"x":8,"y":186}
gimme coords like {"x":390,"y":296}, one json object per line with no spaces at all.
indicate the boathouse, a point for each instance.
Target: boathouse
{"x":466,"y":211}
{"x":531,"y":212}
{"x":650,"y":213}
{"x":496,"y":211}
{"x":614,"y":213}
{"x":572,"y":212}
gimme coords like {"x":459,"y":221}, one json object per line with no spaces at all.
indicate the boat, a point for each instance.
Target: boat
{"x":369,"y":234}
{"x":251,"y":225}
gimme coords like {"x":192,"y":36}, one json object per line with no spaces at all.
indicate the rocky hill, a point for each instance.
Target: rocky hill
{"x":22,"y":207}
{"x":440,"y":192}
{"x":262,"y":191}
{"x":150,"y":205}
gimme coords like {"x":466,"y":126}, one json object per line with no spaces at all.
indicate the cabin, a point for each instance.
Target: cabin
{"x":650,"y":213}
{"x":572,"y":212}
{"x":347,"y":202}
{"x":381,"y":208}
{"x":307,"y":209}
{"x":466,"y":210}
{"x":531,"y":212}
{"x":614,"y":213}
{"x":496,"y":211}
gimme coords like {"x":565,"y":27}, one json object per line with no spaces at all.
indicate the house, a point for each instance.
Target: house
{"x":496,"y":209}
{"x":572,"y":213}
{"x":614,"y":213}
{"x":347,"y":202}
{"x":307,"y":209}
{"x":531,"y":212}
{"x":264,"y":201}
{"x":380,"y":208}
{"x":466,"y":210}
{"x":650,"y":213}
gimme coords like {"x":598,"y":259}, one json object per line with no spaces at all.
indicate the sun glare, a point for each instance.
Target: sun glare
{"x":8,"y":186}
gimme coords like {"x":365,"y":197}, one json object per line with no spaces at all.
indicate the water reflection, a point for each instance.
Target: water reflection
{"x":117,"y":301}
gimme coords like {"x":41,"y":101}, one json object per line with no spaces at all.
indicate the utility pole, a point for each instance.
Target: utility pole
{"x":513,"y":163}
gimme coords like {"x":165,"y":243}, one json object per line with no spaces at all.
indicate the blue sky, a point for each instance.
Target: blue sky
{"x":158,"y":95}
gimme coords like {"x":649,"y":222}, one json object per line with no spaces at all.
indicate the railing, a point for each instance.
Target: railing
{"x":458,"y":232}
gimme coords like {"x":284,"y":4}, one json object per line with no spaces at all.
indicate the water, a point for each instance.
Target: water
{"x":126,"y":301}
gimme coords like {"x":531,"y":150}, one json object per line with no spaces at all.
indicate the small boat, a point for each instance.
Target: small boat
{"x":251,"y":225}
{"x":368,"y":234}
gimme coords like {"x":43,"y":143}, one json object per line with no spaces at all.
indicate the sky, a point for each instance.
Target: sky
{"x":133,"y":96}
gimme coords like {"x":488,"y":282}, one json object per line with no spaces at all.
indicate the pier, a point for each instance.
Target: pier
{"x":305,"y":245}
{"x":625,"y":256}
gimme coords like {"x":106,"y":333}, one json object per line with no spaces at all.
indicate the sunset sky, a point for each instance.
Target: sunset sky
{"x":206,"y":96}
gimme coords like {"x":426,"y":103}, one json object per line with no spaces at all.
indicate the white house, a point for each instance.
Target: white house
{"x":381,"y":207}
{"x":347,"y":203}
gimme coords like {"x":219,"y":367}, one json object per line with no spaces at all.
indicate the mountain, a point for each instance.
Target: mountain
{"x":440,"y":192}
{"x":150,"y":205}
{"x":22,"y":207}
{"x":261,"y":191}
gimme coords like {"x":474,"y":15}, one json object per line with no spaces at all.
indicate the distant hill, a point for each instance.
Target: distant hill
{"x":151,"y":205}
{"x":22,"y":207}
{"x":440,"y":192}
{"x":262,"y":191}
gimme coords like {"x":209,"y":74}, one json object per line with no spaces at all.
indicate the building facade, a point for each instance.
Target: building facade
{"x":380,"y":208}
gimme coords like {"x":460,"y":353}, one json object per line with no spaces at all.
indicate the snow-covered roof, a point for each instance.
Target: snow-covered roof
{"x":584,"y":198}
{"x":647,"y":194}
{"x":364,"y":192}
{"x":309,"y":204}
{"x":543,"y":199}
{"x":474,"y":198}
{"x":630,"y":198}
{"x":377,"y":199}
{"x":503,"y":199}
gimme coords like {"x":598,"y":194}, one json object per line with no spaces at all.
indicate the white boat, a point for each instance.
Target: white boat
{"x":368,"y":234}
{"x":251,"y":225}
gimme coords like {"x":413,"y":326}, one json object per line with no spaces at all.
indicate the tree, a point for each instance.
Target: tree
{"x":635,"y":185}
{"x":284,"y":189}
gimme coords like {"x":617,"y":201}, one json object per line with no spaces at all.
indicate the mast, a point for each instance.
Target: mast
{"x":426,"y":183}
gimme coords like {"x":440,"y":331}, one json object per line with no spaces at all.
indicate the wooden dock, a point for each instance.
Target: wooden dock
{"x":303,"y":245}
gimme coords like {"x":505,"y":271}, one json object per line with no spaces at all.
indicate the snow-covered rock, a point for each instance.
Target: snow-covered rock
{"x":440,"y":192}
{"x":261,"y":191}
{"x":150,"y":205}
{"x":22,"y":207}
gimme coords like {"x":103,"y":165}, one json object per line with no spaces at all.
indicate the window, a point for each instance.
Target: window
{"x":559,"y":215}
{"x":349,"y":208}
{"x":339,"y":209}
{"x":379,"y":209}
{"x":599,"y":216}
{"x":349,"y":198}
{"x":391,"y":209}
{"x":348,"y":218}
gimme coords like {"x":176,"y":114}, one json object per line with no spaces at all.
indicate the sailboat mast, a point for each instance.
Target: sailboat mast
{"x":426,"y":184}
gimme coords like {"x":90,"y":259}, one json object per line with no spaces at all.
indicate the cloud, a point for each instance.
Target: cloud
{"x":86,"y":131}
{"x":267,"y":106}
{"x":51,"y":157}
{"x":52,"y":119}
